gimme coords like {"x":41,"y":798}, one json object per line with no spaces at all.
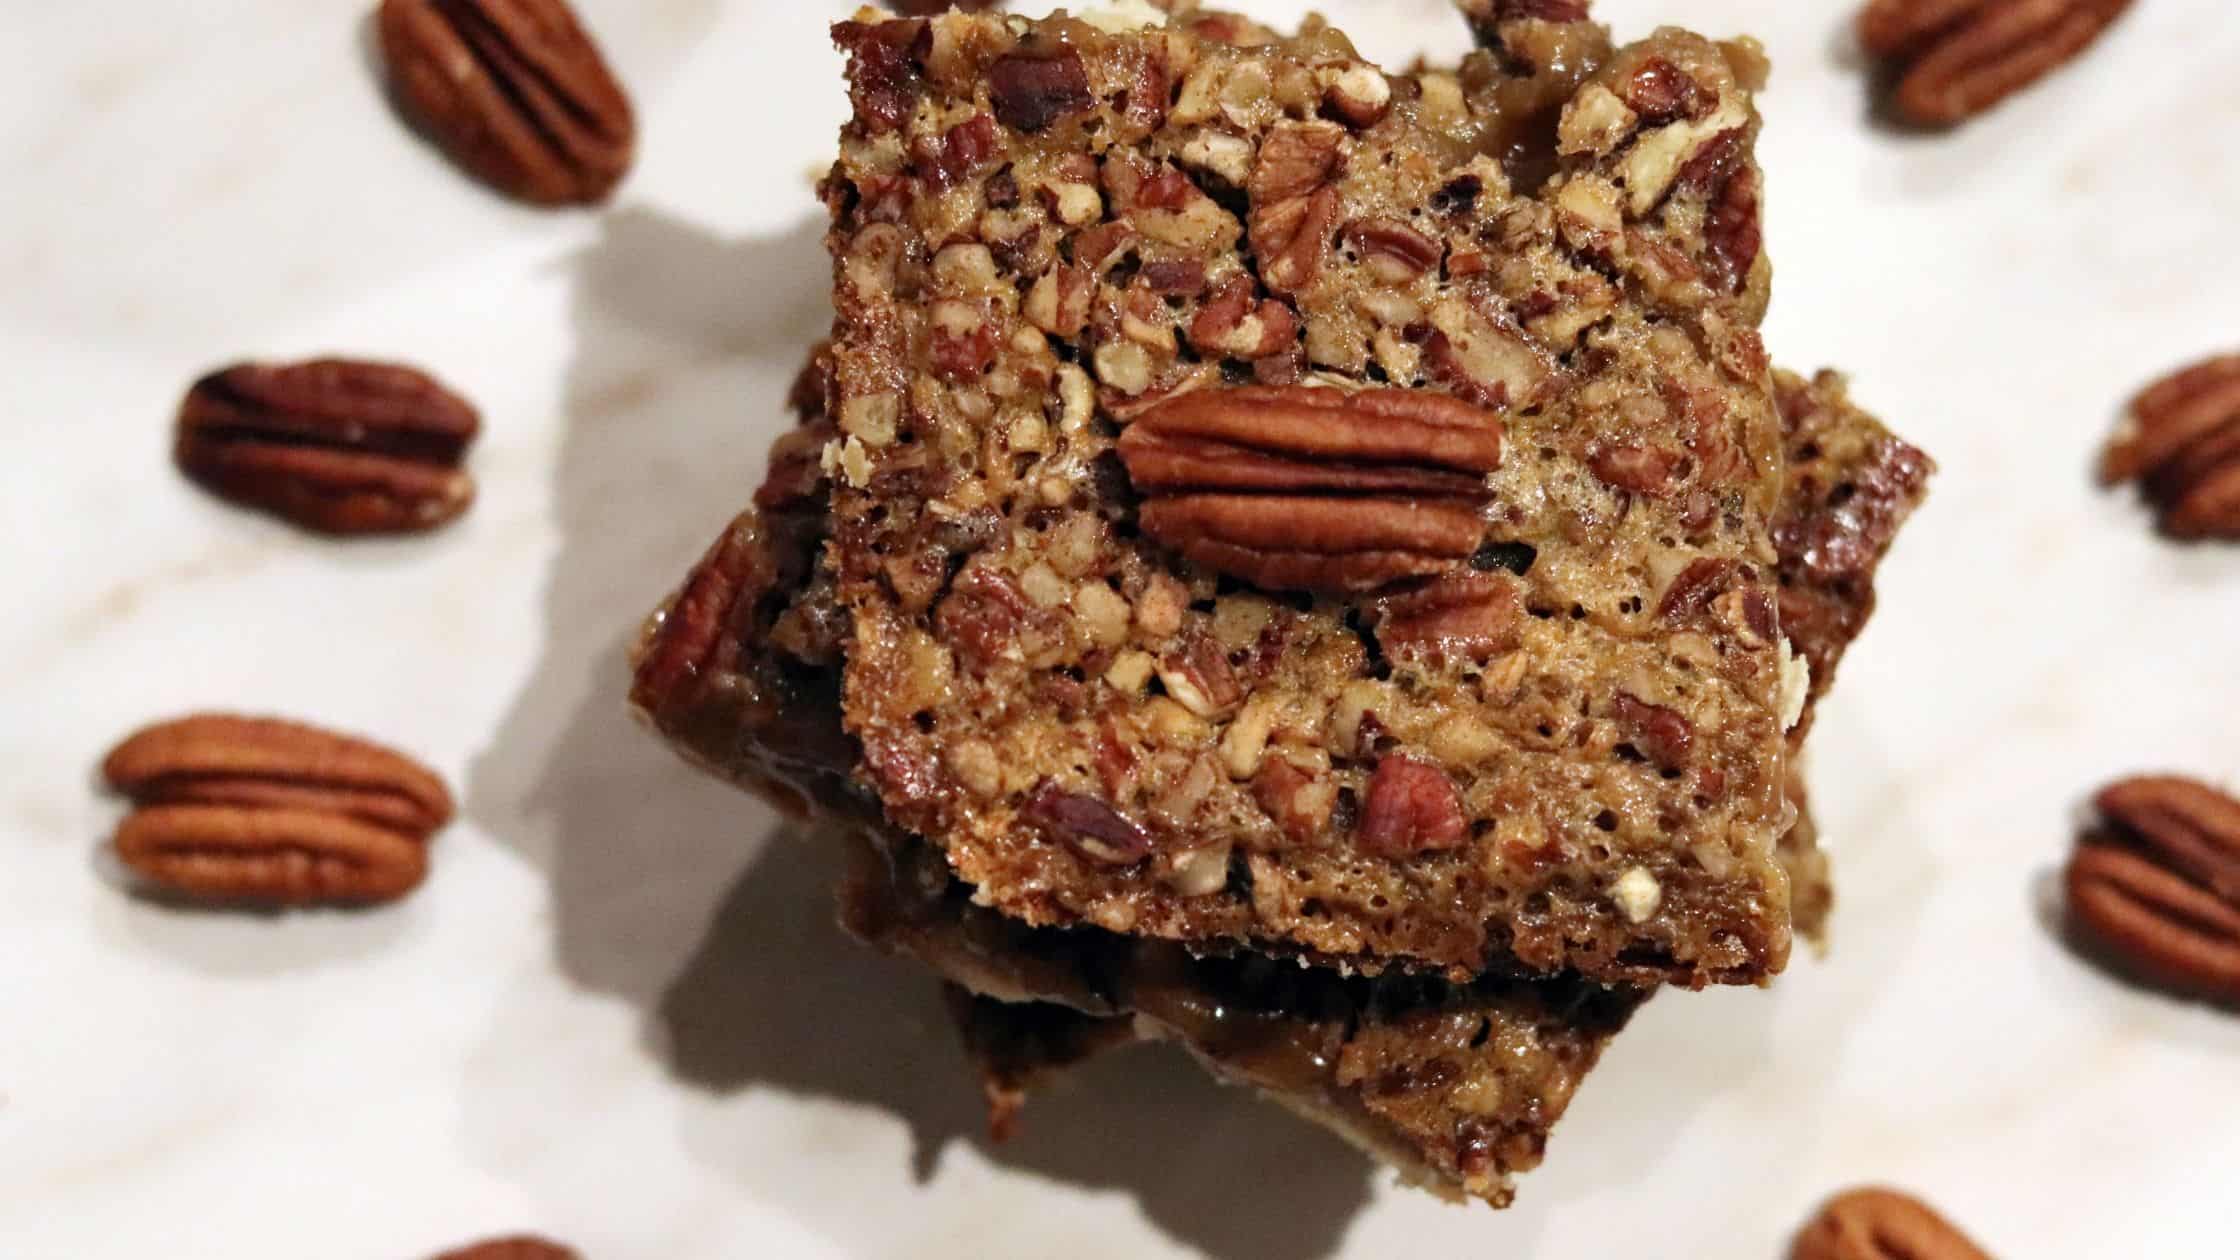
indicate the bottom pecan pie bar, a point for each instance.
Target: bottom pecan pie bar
{"x":1457,"y":1085}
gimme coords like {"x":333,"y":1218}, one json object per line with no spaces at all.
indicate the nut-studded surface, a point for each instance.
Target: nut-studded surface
{"x":1047,"y":234}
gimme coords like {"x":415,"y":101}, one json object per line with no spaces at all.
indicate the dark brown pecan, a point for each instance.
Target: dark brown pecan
{"x":1412,"y":807}
{"x":1087,"y":825}
{"x":256,"y":809}
{"x":1393,"y":249}
{"x":1031,"y":92}
{"x":1877,"y":1224}
{"x":1958,"y":58}
{"x":1463,"y":616}
{"x":1294,"y":205}
{"x":2181,"y":443}
{"x":517,"y":1247}
{"x":2159,"y":883}
{"x":333,"y":444}
{"x":1360,"y":98}
{"x":1660,"y":92}
{"x":1297,"y":488}
{"x":1662,"y":735}
{"x":515,"y":91}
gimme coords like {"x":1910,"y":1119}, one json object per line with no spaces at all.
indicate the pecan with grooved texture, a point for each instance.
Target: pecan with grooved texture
{"x":2159,"y":884}
{"x":515,"y":91}
{"x":333,"y":444}
{"x":256,"y":809}
{"x":1876,"y":1224}
{"x":518,"y":1247}
{"x":2181,"y":443}
{"x":1298,"y":488}
{"x":1412,"y":808}
{"x":1295,"y":204}
{"x":1958,"y":58}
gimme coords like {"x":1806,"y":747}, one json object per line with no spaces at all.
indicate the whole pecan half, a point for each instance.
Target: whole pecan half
{"x":336,"y":445}
{"x":1298,"y":488}
{"x":1877,"y":1224}
{"x":2181,"y":443}
{"x":517,"y":1247}
{"x":2159,"y":884}
{"x":515,"y":91}
{"x":257,"y":809}
{"x":1958,"y":58}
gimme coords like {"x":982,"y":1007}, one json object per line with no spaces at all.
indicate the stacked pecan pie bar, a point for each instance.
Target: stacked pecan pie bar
{"x":1304,"y":563}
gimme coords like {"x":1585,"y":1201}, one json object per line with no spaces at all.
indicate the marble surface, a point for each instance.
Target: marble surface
{"x":618,"y":1014}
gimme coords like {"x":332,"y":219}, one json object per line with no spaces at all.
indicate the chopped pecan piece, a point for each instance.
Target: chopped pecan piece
{"x":1088,"y":826}
{"x":1412,"y":808}
{"x":1031,"y":92}
{"x":1294,"y":207}
{"x":2181,"y":443}
{"x":1460,"y":616}
{"x":255,"y":809}
{"x":2159,"y":883}
{"x":1298,"y":488}
{"x":1876,"y":1224}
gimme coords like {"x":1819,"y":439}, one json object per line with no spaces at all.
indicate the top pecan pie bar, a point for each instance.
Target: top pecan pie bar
{"x":1284,"y":504}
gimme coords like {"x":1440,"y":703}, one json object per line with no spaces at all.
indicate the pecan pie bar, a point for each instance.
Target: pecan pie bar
{"x":1281,"y":505}
{"x":741,"y":670}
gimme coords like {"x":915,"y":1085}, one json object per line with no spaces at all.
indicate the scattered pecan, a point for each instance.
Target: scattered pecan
{"x":1294,"y":203}
{"x":2159,"y":883}
{"x":958,"y":154}
{"x":517,"y":1247}
{"x":1646,"y":470}
{"x":1958,"y":58}
{"x":1236,"y":322}
{"x":333,"y":444}
{"x":1412,"y":808}
{"x":1297,"y":488}
{"x":1877,"y":1224}
{"x":256,"y":809}
{"x":2181,"y":443}
{"x":515,"y":91}
{"x":1087,"y":825}
{"x":1459,"y":616}
{"x":1030,"y":92}
{"x":1359,"y":96}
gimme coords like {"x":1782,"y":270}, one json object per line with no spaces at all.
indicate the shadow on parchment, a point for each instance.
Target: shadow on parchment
{"x":688,"y":899}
